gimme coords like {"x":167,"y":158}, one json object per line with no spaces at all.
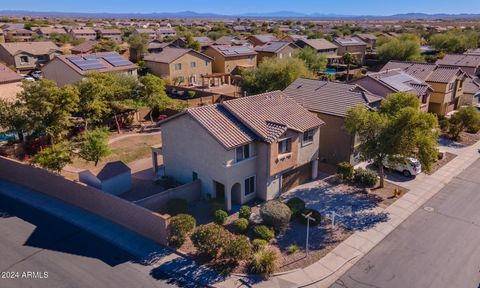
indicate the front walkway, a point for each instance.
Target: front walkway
{"x":328,"y":269}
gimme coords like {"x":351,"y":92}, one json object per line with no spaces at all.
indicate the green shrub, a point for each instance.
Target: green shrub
{"x":216,"y":205}
{"x":220,"y":216}
{"x":241,"y":225}
{"x":296,"y":206}
{"x":237,"y":249}
{"x":263,"y":232}
{"x":177,"y":206}
{"x":365,"y":177}
{"x":292,"y":249}
{"x":264,"y":262}
{"x":191,"y":93}
{"x":209,"y":239}
{"x":345,"y":170}
{"x":180,"y":226}
{"x":315,"y":214}
{"x":276,"y":214}
{"x":259,"y":244}
{"x":245,"y":212}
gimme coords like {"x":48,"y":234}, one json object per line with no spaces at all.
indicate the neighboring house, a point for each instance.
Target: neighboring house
{"x":186,"y":66}
{"x":395,"y":80}
{"x":69,"y":69}
{"x":228,"y":59}
{"x":84,"y":48}
{"x":156,"y":46}
{"x":330,"y":102}
{"x":252,"y":147}
{"x":294,"y":38}
{"x":2,"y":36}
{"x":475,"y":52}
{"x":150,"y":33}
{"x":469,"y":63}
{"x":278,"y":49}
{"x":202,"y":40}
{"x":471,"y":91}
{"x":114,"y":178}
{"x":354,"y":46}
{"x":259,"y":40}
{"x":10,"y":83}
{"x":113,"y":34}
{"x":24,"y":56}
{"x":48,"y":31}
{"x":18,"y":34}
{"x":369,"y":39}
{"x":166,"y":32}
{"x":322,"y":46}
{"x":225,"y":40}
{"x":83,"y":33}
{"x":447,"y":83}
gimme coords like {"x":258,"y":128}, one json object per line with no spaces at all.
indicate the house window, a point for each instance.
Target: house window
{"x":249,"y":185}
{"x":23,"y":59}
{"x":243,"y":152}
{"x":250,"y":59}
{"x":193,"y":64}
{"x":285,"y":146}
{"x":308,"y":136}
{"x":194,"y":176}
{"x":178,"y":66}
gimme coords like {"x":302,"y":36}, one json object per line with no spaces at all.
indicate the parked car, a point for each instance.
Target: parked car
{"x":28,"y":78}
{"x":408,"y":167}
{"x":37,"y":74}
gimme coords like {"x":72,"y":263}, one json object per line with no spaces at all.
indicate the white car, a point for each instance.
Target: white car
{"x":408,"y":167}
{"x":37,"y":74}
{"x":28,"y":78}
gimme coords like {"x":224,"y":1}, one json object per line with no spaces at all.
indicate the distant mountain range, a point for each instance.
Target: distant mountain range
{"x":195,"y":15}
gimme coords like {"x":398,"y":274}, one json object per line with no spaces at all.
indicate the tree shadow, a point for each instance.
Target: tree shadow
{"x":442,"y":141}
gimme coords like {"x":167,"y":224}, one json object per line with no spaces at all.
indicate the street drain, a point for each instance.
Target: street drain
{"x":428,"y":209}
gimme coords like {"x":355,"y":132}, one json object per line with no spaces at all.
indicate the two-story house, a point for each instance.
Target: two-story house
{"x":69,"y":69}
{"x":47,"y":32}
{"x":178,"y":64}
{"x":446,"y":83}
{"x":114,"y":34}
{"x":251,"y":147}
{"x":354,"y":46}
{"x":278,"y":49}
{"x":369,"y":39}
{"x":330,"y":102}
{"x":85,"y":33}
{"x":151,"y":34}
{"x":262,"y":39}
{"x":469,"y":63}
{"x":226,"y":59}
{"x":322,"y":46}
{"x":26,"y":56}
{"x":395,"y":80}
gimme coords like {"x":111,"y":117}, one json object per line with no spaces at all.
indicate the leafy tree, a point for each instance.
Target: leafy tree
{"x":106,"y":45}
{"x":49,"y":107}
{"x":191,"y":43}
{"x":152,"y":93}
{"x":55,"y":157}
{"x":274,"y":74}
{"x":404,"y":48}
{"x":465,"y":118}
{"x":349,"y":59}
{"x":396,"y":131}
{"x":138,"y":46}
{"x":13,"y":117}
{"x":94,"y":145}
{"x":455,"y":42}
{"x":314,"y":61}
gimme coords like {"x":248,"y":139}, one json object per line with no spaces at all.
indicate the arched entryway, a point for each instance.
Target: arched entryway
{"x":236,"y":194}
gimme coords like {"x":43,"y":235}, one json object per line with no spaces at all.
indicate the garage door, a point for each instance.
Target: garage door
{"x":296,"y":177}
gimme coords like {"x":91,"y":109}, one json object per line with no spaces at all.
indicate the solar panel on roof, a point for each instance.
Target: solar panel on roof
{"x":116,"y":60}
{"x":87,"y":64}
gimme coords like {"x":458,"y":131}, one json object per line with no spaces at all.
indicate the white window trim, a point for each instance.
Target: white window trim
{"x":254,"y":186}
{"x":281,"y":140}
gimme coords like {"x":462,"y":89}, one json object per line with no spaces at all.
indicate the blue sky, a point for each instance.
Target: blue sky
{"x":350,"y":7}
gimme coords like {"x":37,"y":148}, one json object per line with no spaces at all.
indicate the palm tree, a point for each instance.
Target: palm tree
{"x":348,"y":59}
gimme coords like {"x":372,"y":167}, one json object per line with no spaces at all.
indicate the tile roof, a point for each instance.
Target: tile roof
{"x":460,"y":60}
{"x":428,"y":72}
{"x":399,"y":81}
{"x":273,"y":47}
{"x":107,"y":67}
{"x":84,"y":47}
{"x":224,"y":40}
{"x":296,"y":37}
{"x":328,"y":97}
{"x":473,"y":52}
{"x":366,"y":36}
{"x":86,"y":30}
{"x":265,"y":38}
{"x":471,"y":85}
{"x":233,"y":51}
{"x":266,"y":113}
{"x":170,"y":54}
{"x":8,"y":76}
{"x":319,"y":44}
{"x":222,"y":125}
{"x":33,"y":48}
{"x":50,"y":30}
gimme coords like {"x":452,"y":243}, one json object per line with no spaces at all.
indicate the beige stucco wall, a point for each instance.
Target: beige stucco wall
{"x":359,"y":51}
{"x":286,"y":52}
{"x":227,"y":65}
{"x":336,"y":144}
{"x":61,"y":73}
{"x":442,"y":100}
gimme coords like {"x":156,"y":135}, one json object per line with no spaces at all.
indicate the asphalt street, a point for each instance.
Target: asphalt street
{"x":437,"y":246}
{"x":62,"y":255}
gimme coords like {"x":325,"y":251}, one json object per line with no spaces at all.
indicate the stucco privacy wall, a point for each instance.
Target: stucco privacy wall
{"x":133,"y":217}
{"x":158,"y":202}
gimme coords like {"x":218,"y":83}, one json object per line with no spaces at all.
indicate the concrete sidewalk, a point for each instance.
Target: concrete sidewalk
{"x":331,"y":267}
{"x":158,"y":257}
